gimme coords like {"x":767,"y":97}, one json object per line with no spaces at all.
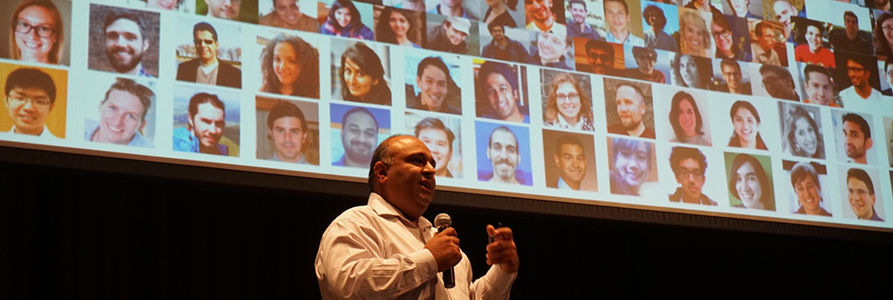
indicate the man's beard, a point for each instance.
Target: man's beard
{"x":124,"y":66}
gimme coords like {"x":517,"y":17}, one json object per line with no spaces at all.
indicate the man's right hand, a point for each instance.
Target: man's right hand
{"x":445,"y":248}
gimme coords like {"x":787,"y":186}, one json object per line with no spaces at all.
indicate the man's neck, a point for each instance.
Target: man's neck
{"x":582,"y":25}
{"x":817,"y":49}
{"x":621,"y":36}
{"x":348,"y":162}
{"x":739,"y":90}
{"x":853,"y":36}
{"x":291,"y":160}
{"x":516,"y":116}
{"x":695,"y":200}
{"x":863,"y":91}
{"x":209,"y":150}
{"x":638,"y":130}
{"x":210,"y":62}
{"x":503,"y":44}
{"x":511,"y":179}
{"x":860,"y":160}
{"x":869,"y":216}
{"x":575,"y":185}
{"x":545,"y":62}
{"x":767,"y":50}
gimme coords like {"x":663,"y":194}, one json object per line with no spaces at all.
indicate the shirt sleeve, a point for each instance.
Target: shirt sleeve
{"x":495,"y":285}
{"x":350,"y":265}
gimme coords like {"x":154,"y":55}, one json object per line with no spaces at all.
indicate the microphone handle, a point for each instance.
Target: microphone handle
{"x":449,"y":277}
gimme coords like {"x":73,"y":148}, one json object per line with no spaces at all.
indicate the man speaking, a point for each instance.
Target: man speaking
{"x":387,"y":250}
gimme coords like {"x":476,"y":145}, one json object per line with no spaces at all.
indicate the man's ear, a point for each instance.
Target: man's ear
{"x":190,"y":124}
{"x":557,"y":160}
{"x":869,"y":143}
{"x":380,"y":170}
{"x":145,"y":44}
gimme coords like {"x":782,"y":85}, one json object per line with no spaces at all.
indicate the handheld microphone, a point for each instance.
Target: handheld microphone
{"x":442,"y":221}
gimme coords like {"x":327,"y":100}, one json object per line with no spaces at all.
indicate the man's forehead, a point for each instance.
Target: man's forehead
{"x":504,"y":138}
{"x":852,"y":126}
{"x":124,"y":24}
{"x":568,"y":148}
{"x":431,"y":132}
{"x":31,"y":91}
{"x":360,"y":118}
{"x":284,"y":120}
{"x":626,"y":92}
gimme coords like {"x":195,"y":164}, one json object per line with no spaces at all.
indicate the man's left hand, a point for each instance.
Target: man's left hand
{"x":502,"y":250}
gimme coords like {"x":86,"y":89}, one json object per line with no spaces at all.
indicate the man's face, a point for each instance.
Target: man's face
{"x":747,"y":184}
{"x":498,"y":34}
{"x":124,"y":45}
{"x":224,"y":9}
{"x":205,"y":46}
{"x":767,"y":38}
{"x":207,"y":124}
{"x":503,"y":154}
{"x":433,"y":83}
{"x":440,"y":147}
{"x":645,"y":63}
{"x":538,"y":10}
{"x":813,"y":38}
{"x":783,"y":13}
{"x":808,"y":194}
{"x":779,"y":85}
{"x":551,"y":46}
{"x":690,"y":177}
{"x":288,"y":138}
{"x":571,"y":163}
{"x":819,"y":88}
{"x":28,"y":108}
{"x":410,"y":181}
{"x":732,"y":76}
{"x":857,"y":73}
{"x":600,"y":61}
{"x":861,"y":199}
{"x":630,"y":107}
{"x":120,"y":116}
{"x":632,"y":164}
{"x":288,"y":11}
{"x":578,"y":12}
{"x":617,"y":16}
{"x":359,"y":134}
{"x":740,"y":7}
{"x":501,"y":95}
{"x":856,"y":143}
{"x":456,"y":37}
{"x":852,"y":26}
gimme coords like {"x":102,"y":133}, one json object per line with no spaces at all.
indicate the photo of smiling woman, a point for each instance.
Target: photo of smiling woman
{"x":632,"y":162}
{"x":361,"y":75}
{"x":746,"y":121}
{"x":399,"y":26}
{"x":37,"y":31}
{"x":687,"y":121}
{"x":568,"y":104}
{"x":344,"y":20}
{"x":290,"y":66}
{"x":801,"y":131}
{"x":693,"y":36}
{"x":749,"y":184}
{"x":806,"y":187}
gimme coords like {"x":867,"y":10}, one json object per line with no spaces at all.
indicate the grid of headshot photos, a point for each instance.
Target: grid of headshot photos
{"x":774,"y":109}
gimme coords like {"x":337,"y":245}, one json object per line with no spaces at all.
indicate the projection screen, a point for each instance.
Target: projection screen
{"x":775,"y":110}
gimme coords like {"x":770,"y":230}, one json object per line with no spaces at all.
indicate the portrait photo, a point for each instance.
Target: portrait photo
{"x":241,"y":10}
{"x":500,"y":91}
{"x":347,"y":19}
{"x":442,"y":135}
{"x":599,"y":57}
{"x":805,"y":193}
{"x":510,"y":13}
{"x":361,"y":72}
{"x":503,"y":153}
{"x":775,"y":82}
{"x":854,"y":140}
{"x":206,"y":120}
{"x":818,"y":85}
{"x":569,"y":161}
{"x":585,"y":19}
{"x":624,"y":22}
{"x":121,"y":111}
{"x":506,"y":43}
{"x":691,"y":71}
{"x":695,"y":31}
{"x":289,"y":14}
{"x":648,"y":64}
{"x":430,"y":81}
{"x":858,"y":80}
{"x":567,"y":100}
{"x":734,"y":77}
{"x":888,"y":127}
{"x":628,"y":108}
{"x":811,"y":43}
{"x":289,"y":64}
{"x":287,"y":130}
{"x":850,"y":27}
{"x":750,"y":181}
{"x":691,"y":175}
{"x":359,"y":130}
{"x":731,"y":37}
{"x":399,"y":26}
{"x":452,"y":34}
{"x":183,"y":6}
{"x":633,"y":167}
{"x":684,"y":116}
{"x":781,"y":11}
{"x":767,"y":42}
{"x":801,"y":130}
{"x":661,"y":25}
{"x":749,"y":125}
{"x":209,"y":52}
{"x":41,"y":31}
{"x":35,"y":99}
{"x":124,"y":41}
{"x":862,"y":191}
{"x":750,"y":9}
{"x":545,"y":16}
{"x":552,"y":50}
{"x":467,"y":9}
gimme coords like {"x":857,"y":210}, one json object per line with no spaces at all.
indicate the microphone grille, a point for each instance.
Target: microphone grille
{"x":442,"y":219}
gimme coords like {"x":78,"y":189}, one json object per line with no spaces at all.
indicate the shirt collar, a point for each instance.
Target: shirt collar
{"x":386,"y":210}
